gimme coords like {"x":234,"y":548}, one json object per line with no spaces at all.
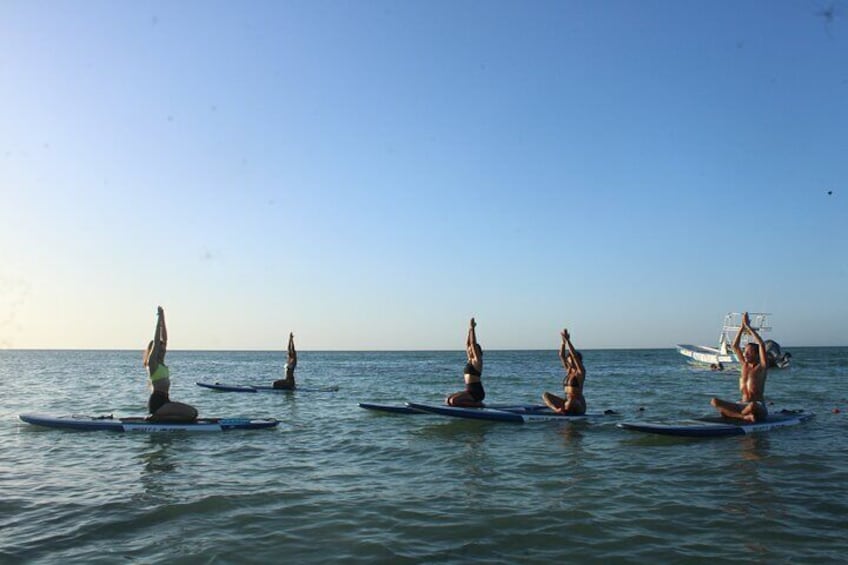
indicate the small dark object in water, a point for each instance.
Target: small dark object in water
{"x":829,"y":192}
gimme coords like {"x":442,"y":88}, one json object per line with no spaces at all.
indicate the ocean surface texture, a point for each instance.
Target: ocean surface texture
{"x":336,"y":483}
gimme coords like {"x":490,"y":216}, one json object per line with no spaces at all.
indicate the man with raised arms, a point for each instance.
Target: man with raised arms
{"x":752,"y":381}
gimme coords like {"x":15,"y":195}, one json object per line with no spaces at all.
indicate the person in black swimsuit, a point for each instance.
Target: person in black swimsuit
{"x":473,"y":394}
{"x":574,"y":404}
{"x":288,"y":382}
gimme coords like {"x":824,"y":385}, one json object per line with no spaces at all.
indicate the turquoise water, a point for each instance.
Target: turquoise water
{"x":335,"y":482}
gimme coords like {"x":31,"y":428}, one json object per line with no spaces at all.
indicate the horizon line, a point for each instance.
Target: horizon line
{"x":282,"y":350}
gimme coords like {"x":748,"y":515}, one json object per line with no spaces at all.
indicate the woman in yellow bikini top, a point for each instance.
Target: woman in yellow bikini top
{"x":159,"y":404}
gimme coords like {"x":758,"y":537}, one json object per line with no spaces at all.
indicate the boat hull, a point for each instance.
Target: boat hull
{"x":704,"y":354}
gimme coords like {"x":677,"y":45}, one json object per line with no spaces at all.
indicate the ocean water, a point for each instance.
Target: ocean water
{"x":336,"y":483}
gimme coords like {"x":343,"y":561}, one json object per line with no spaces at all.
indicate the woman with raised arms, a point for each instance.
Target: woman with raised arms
{"x":473,"y":394}
{"x":288,"y":382}
{"x":574,"y":404}
{"x":160,"y":406}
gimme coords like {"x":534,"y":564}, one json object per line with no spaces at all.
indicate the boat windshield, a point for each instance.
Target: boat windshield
{"x":732,"y":323}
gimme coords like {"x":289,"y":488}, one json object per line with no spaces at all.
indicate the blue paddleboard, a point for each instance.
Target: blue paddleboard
{"x":263,"y":388}
{"x":501,"y":413}
{"x":716,"y":426}
{"x":93,"y":423}
{"x":408,"y":408}
{"x":389,"y":408}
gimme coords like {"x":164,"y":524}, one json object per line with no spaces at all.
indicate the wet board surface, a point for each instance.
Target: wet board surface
{"x":95,"y":423}
{"x":504,"y":413}
{"x":389,"y":408}
{"x":408,"y":407}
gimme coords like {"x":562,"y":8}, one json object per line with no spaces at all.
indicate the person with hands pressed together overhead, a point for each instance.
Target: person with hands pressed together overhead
{"x":574,"y":404}
{"x":288,"y":382}
{"x":752,"y":380}
{"x":473,"y":394}
{"x":159,"y":405}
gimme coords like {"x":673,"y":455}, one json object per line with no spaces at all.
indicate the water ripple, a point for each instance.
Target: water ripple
{"x":335,"y":482}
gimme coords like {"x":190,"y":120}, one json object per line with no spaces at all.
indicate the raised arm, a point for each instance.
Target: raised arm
{"x":292,"y":352}
{"x":160,"y":340}
{"x":563,"y":356}
{"x":746,"y":321}
{"x":471,"y":341}
{"x":738,"y":339}
{"x":578,"y":364}
{"x":163,"y":330}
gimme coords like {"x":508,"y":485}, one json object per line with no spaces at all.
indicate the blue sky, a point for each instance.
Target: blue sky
{"x":371,"y":174}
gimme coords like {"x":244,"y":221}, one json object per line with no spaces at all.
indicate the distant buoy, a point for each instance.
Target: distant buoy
{"x":836,"y":410}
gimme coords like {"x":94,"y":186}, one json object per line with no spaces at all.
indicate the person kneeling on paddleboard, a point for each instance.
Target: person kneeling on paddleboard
{"x":752,"y":381}
{"x":473,"y":395}
{"x":288,"y":382}
{"x":574,"y":404}
{"x":159,"y":405}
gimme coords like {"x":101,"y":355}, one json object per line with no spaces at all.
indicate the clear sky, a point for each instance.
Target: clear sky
{"x":371,"y":174}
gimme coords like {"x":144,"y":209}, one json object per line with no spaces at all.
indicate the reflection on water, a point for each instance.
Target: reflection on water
{"x":469,"y":458}
{"x":472,"y":452}
{"x":572,"y":433}
{"x":754,"y":447}
{"x":757,"y":498}
{"x":158,"y":461}
{"x":757,"y":495}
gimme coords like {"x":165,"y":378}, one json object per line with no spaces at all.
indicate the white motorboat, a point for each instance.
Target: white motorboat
{"x":723,"y":354}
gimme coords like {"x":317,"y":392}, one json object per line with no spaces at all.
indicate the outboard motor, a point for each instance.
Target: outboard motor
{"x":776,"y":357}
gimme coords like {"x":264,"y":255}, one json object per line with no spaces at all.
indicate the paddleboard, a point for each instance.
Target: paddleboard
{"x":388,"y":408}
{"x":93,"y":423}
{"x":220,"y":387}
{"x":503,"y":413}
{"x":716,"y":426}
{"x":408,"y":409}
